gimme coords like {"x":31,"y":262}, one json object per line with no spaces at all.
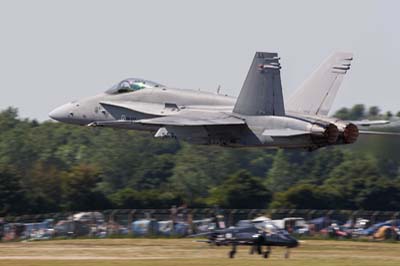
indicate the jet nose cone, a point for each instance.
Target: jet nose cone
{"x":61,"y":113}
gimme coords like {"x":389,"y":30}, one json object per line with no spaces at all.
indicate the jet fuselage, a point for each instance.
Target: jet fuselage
{"x":163,"y":101}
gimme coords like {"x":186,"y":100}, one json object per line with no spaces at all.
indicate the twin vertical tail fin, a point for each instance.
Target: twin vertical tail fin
{"x":261,"y":93}
{"x":317,"y":93}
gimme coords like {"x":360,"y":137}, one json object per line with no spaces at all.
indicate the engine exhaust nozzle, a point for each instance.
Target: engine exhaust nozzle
{"x":327,"y":134}
{"x":331,"y":133}
{"x":350,"y":133}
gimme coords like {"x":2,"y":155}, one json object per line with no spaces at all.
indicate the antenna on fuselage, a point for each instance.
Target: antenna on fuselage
{"x":218,"y":89}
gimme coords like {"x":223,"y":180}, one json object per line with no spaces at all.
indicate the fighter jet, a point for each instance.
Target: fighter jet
{"x":256,"y":234}
{"x":257,"y":117}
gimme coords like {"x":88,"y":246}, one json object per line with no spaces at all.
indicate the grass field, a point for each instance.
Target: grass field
{"x":174,"y":252}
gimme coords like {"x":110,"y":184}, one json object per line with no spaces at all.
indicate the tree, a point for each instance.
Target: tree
{"x":8,"y":119}
{"x":389,"y":114}
{"x":262,"y":162}
{"x":282,"y":174}
{"x":353,"y":179}
{"x":12,"y":197}
{"x":374,"y":111}
{"x":304,"y":196}
{"x":129,"y":198}
{"x":126,"y":199}
{"x":357,"y":112}
{"x":191,"y":178}
{"x":240,"y":190}
{"x":44,"y":187}
{"x":155,"y":174}
{"x":343,"y":113}
{"x":383,"y":196}
{"x":319,"y":164}
{"x":79,"y":189}
{"x":54,"y":166}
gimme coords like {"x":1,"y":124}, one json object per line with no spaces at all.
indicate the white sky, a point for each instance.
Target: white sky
{"x":52,"y":52}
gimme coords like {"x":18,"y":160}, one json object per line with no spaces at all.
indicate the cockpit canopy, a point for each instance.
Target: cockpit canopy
{"x":132,"y":84}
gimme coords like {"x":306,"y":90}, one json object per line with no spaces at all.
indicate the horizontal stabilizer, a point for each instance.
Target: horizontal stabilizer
{"x":367,"y":123}
{"x":287,"y":132}
{"x":379,"y":133}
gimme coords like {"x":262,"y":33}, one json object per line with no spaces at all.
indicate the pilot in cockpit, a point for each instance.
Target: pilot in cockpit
{"x":131,"y":85}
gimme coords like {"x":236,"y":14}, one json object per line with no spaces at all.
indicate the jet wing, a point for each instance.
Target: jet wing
{"x":194,"y":119}
{"x":183,"y":118}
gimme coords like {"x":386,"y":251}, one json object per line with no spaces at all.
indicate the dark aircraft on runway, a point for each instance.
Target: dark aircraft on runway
{"x":256,"y":234}
{"x":258,"y":117}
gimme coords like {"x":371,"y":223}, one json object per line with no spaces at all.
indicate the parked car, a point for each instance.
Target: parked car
{"x":71,"y":228}
{"x":145,"y":227}
{"x":41,"y":230}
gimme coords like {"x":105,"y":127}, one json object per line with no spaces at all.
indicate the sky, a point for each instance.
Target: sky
{"x":52,"y":52}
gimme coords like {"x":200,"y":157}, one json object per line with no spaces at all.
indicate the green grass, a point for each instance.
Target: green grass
{"x":186,"y":252}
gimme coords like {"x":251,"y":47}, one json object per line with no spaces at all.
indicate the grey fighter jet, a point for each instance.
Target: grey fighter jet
{"x":258,"y":117}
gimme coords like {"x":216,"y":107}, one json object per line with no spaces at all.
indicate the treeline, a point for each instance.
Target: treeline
{"x":51,"y":167}
{"x":359,"y":111}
